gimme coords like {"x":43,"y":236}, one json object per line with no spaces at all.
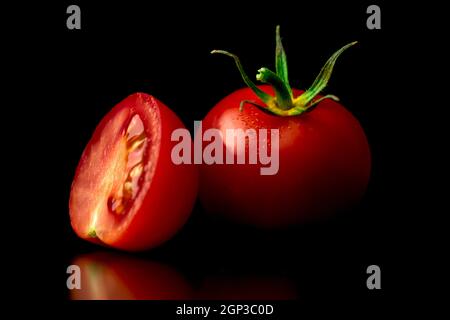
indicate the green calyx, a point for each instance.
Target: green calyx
{"x":284,"y":103}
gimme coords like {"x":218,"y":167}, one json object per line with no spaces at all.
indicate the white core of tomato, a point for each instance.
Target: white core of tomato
{"x":94,"y":218}
{"x":119,"y":172}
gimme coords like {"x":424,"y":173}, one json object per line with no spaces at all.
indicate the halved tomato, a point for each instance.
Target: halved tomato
{"x":127,"y":193}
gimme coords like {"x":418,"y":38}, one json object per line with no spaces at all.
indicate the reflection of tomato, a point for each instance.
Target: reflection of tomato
{"x":108,"y":276}
{"x":127,"y":193}
{"x":247,"y":288}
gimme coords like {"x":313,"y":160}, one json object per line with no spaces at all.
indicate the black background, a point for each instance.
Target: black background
{"x":164,"y":50}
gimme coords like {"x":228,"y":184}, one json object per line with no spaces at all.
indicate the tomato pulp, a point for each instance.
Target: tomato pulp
{"x":324,"y":164}
{"x":127,"y":193}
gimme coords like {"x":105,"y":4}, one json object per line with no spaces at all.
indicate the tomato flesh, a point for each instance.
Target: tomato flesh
{"x":122,"y":192}
{"x":136,"y":143}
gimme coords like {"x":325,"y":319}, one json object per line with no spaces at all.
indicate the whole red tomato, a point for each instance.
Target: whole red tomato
{"x":127,"y":193}
{"x":324,"y":156}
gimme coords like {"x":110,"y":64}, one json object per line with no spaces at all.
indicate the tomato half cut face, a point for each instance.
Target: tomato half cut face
{"x":127,"y":193}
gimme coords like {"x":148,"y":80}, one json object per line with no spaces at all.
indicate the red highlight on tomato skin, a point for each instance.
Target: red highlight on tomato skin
{"x":127,"y":193}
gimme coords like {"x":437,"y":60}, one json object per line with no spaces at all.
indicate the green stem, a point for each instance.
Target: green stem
{"x":283,"y":104}
{"x":282,"y":93}
{"x":266,"y":98}
{"x":321,"y":80}
{"x":281,"y":61}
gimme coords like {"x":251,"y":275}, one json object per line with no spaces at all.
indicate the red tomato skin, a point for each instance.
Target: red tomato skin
{"x":324,"y":165}
{"x":167,"y":203}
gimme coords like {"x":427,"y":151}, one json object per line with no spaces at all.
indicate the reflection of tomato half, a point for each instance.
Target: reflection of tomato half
{"x":247,"y":288}
{"x":127,"y":193}
{"x":107,"y":276}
